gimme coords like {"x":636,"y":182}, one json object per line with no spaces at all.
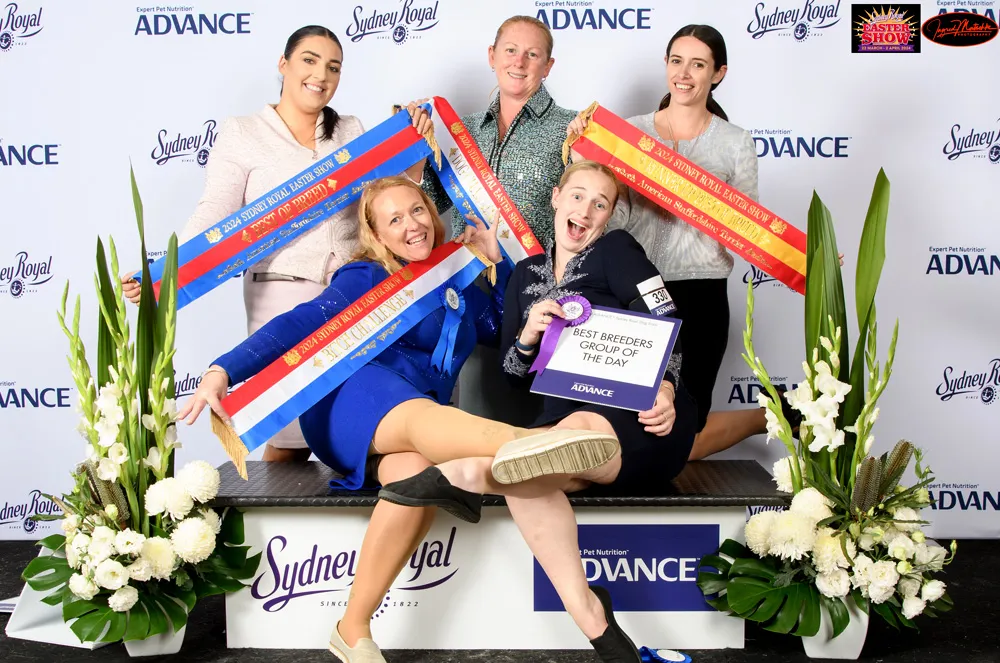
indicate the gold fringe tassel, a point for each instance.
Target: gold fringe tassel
{"x":587,"y":113}
{"x":232,"y":443}
{"x":491,"y":268}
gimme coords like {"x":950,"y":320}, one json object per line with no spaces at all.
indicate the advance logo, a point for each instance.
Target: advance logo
{"x":647,"y":568}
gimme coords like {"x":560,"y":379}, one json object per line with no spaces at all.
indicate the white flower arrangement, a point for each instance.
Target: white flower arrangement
{"x":131,"y":532}
{"x":852,"y":529}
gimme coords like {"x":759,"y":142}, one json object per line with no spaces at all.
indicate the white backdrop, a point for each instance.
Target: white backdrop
{"x":95,"y":87}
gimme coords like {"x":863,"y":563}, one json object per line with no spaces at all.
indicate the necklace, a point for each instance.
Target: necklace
{"x":704,"y":127}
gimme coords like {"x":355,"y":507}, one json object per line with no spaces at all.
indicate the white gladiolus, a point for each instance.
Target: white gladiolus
{"x":828,"y":555}
{"x":906,"y":513}
{"x":811,"y":503}
{"x":868,"y":444}
{"x":902,"y":548}
{"x":908,"y":587}
{"x":170,"y":437}
{"x":82,"y":587}
{"x":792,"y":536}
{"x":834,"y":584}
{"x":773,"y":425}
{"x":193,"y":540}
{"x":108,"y":399}
{"x":828,"y":385}
{"x":913,"y":606}
{"x":129,"y":542}
{"x":124,"y":599}
{"x":168,"y":496}
{"x":118,"y":453}
{"x":200,"y":480}
{"x":107,"y":470}
{"x":110,"y":574}
{"x":782,"y":471}
{"x":758,"y":532}
{"x":159,"y":552}
{"x":170,"y":409}
{"x":90,"y":453}
{"x":83,"y":428}
{"x":932,"y":590}
{"x":825,"y":435}
{"x":141,"y":570}
{"x":153,"y":459}
{"x":212,"y":518}
{"x":107,"y":432}
{"x":148,"y":422}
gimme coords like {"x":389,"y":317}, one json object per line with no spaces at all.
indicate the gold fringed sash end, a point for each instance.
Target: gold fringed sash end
{"x":432,"y":141}
{"x":572,"y":138}
{"x":491,"y":268}
{"x":232,"y":443}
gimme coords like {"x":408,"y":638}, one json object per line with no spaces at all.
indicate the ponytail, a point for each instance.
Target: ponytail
{"x":330,"y":120}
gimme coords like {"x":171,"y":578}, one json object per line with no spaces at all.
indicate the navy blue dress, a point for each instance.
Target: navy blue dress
{"x":339,"y":428}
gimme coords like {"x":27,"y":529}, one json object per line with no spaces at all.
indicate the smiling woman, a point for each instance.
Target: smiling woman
{"x":253,"y":155}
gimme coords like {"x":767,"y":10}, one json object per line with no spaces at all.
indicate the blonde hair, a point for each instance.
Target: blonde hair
{"x":370,"y":247}
{"x":595,"y":167}
{"x":527,"y":20}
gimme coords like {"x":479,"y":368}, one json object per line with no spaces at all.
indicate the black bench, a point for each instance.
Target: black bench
{"x":712,"y":483}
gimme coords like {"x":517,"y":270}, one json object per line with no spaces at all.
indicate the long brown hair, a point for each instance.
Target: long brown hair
{"x":712,"y":38}
{"x":370,"y":247}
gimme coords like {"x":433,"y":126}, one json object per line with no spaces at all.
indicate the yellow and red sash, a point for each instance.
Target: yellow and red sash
{"x":690,"y":192}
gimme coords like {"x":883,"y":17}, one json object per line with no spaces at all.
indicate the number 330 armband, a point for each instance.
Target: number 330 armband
{"x":654,"y":295}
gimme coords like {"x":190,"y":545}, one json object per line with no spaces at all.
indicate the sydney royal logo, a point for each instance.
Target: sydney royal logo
{"x":18,"y":24}
{"x":799,"y":22}
{"x":779,"y":143}
{"x":193,"y":147}
{"x":980,"y":144}
{"x":161,"y":21}
{"x":24,"y":274}
{"x":981,"y":385}
{"x":408,"y":20}
{"x":19,"y":515}
{"x":758,"y":277}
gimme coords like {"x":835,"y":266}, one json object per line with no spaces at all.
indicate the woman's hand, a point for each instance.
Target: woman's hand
{"x":660,"y":420}
{"x":483,"y":238}
{"x":131,"y":288}
{"x":422,"y":122}
{"x":539,"y":318}
{"x":576,"y":127}
{"x":211,"y":391}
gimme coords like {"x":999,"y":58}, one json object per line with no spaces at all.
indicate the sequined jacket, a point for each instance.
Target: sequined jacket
{"x":527,"y":161}
{"x":607,"y":273}
{"x":409,"y":357}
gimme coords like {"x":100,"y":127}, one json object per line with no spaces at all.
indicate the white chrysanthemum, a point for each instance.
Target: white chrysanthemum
{"x":124,"y":599}
{"x":72,"y":557}
{"x":153,"y":460}
{"x":200,"y":479}
{"x":141,"y":570}
{"x":70,"y":524}
{"x":168,"y":496}
{"x":828,"y":554}
{"x":212,"y":518}
{"x":129,"y":542}
{"x":913,"y":606}
{"x":931,"y":556}
{"x":908,"y":586}
{"x":159,"y":552}
{"x":118,"y":453}
{"x":906,"y":513}
{"x":834,"y":584}
{"x":812,"y":504}
{"x":782,"y":471}
{"x":82,"y":587}
{"x":758,"y":532}
{"x":107,"y":432}
{"x":932,"y":590}
{"x":107,"y":470}
{"x":902,"y":548}
{"x":792,"y":536}
{"x":110,"y":574}
{"x":193,"y":540}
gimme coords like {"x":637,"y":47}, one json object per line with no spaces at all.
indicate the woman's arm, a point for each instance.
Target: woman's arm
{"x":515,"y":363}
{"x":488,"y":307}
{"x":225,"y":181}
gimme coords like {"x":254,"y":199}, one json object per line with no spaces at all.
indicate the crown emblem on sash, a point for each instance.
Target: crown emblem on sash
{"x":646,"y":143}
{"x":213,"y":235}
{"x":406,"y":274}
{"x":332,"y":183}
{"x":408,"y":293}
{"x":452,"y":152}
{"x":246,"y":237}
{"x":455,"y":128}
{"x":779,"y":227}
{"x":342,"y":156}
{"x":318,"y":363}
{"x":528,"y":240}
{"x":292,"y":357}
{"x":505,"y":234}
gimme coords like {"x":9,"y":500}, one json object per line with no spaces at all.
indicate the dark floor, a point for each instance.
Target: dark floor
{"x":970,"y":634}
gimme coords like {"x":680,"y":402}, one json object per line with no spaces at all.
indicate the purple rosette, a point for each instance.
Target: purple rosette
{"x":577,"y":311}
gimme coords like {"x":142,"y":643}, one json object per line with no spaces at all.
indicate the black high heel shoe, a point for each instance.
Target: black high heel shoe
{"x":613,"y":646}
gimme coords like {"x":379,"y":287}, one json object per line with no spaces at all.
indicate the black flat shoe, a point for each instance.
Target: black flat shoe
{"x":431,"y":488}
{"x":794,"y":417}
{"x":613,"y":646}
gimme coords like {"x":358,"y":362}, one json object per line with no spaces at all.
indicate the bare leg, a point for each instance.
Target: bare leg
{"x":277,"y":455}
{"x":726,"y":429}
{"x":441,"y":433}
{"x":393,"y":534}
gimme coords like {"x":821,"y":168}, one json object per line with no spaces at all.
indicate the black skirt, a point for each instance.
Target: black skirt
{"x":649,"y":462}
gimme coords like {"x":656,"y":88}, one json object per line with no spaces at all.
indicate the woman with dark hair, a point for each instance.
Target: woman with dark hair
{"x":695,"y":266}
{"x":256,"y":153}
